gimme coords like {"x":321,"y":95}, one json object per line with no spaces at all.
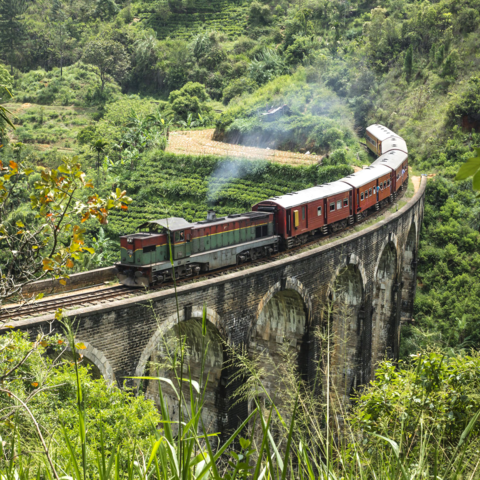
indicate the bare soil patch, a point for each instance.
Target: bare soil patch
{"x":199,"y":142}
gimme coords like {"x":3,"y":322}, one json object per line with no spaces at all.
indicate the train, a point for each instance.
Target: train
{"x":172,"y":246}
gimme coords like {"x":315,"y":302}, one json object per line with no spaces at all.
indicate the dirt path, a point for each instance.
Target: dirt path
{"x":200,"y":142}
{"x":415,"y":180}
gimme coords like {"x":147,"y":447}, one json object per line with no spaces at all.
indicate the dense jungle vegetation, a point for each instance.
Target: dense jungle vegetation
{"x":106,"y":81}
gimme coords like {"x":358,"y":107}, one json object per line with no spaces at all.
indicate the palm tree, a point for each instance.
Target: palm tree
{"x":99,"y":146}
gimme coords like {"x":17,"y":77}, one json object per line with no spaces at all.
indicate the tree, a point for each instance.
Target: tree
{"x":108,"y":56}
{"x":11,"y":26}
{"x":44,"y":238}
{"x":408,"y":64}
{"x":59,"y":32}
{"x":99,"y":146}
{"x":5,"y":86}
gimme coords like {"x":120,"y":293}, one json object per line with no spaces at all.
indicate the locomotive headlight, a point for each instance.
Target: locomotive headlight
{"x":129,"y":240}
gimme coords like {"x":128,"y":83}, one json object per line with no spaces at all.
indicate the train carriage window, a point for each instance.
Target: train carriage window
{"x":361,"y":197}
{"x":366,"y":194}
{"x":345,"y":202}
{"x":339,"y":204}
{"x":332,"y":207}
{"x":385,"y":184}
{"x":319,"y":211}
{"x":150,"y":248}
{"x":388,"y":183}
{"x":381,"y":186}
{"x":370,"y":191}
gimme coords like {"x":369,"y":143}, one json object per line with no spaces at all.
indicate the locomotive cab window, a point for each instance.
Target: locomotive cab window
{"x":345,"y":202}
{"x":332,"y":207}
{"x":339,"y":204}
{"x":179,"y":236}
{"x":319,"y":211}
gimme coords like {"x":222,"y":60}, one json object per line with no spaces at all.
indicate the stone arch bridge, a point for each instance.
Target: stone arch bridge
{"x":366,"y":280}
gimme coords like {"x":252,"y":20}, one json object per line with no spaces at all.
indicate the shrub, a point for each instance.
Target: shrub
{"x":237,"y":87}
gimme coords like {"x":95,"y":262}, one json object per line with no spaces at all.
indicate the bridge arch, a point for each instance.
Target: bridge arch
{"x":282,"y":318}
{"x":385,"y":318}
{"x":153,"y":362}
{"x":101,"y":366}
{"x":347,"y":319}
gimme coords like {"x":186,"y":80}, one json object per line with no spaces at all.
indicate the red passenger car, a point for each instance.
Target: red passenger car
{"x":397,"y":162}
{"x":371,"y":186}
{"x":304,"y":213}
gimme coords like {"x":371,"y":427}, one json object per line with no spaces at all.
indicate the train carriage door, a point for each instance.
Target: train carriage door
{"x":289,"y":222}
{"x":377,"y":191}
{"x":350,"y":199}
{"x":201,"y":237}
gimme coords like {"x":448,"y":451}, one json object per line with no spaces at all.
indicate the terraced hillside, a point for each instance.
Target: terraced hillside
{"x":222,"y":15}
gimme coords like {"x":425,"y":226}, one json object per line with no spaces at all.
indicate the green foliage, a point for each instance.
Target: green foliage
{"x":47,"y":382}
{"x":238,"y":87}
{"x":78,"y":87}
{"x":321,"y":126}
{"x":467,"y":103}
{"x":190,"y":99}
{"x":6,"y":80}
{"x":12,"y":27}
{"x":434,"y":392}
{"x":109,"y":56}
{"x":408,"y":64}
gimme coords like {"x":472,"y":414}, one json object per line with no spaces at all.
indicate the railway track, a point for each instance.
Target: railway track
{"x":111,"y":293}
{"x":49,"y":305}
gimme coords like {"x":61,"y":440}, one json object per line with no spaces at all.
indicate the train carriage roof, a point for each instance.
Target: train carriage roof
{"x":312,"y":194}
{"x":380,"y":132}
{"x":366,"y":175}
{"x":172,"y":223}
{"x":394,"y":143}
{"x":394,"y":159}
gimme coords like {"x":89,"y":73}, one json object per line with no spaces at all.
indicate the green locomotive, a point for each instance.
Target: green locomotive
{"x":195,"y":247}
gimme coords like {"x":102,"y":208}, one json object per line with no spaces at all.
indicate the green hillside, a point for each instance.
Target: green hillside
{"x":183,"y":21}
